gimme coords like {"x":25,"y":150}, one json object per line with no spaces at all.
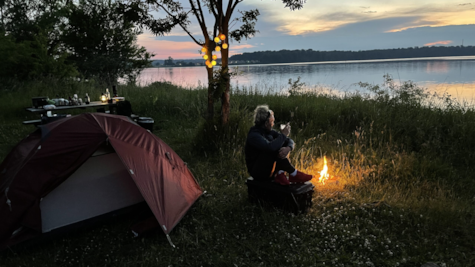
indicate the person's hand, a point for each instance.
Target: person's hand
{"x":286,"y":130}
{"x":284,"y":152}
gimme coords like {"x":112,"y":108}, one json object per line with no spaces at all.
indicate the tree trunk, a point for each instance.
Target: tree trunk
{"x":225,"y":97}
{"x":209,"y":71}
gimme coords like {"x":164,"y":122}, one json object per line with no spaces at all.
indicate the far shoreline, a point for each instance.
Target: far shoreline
{"x":443,"y":58}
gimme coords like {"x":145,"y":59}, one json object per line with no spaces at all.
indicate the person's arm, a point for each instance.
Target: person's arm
{"x":286,"y":148}
{"x":290,"y":143}
{"x":258,"y":141}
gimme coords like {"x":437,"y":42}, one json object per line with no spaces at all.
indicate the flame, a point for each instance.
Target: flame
{"x":324,"y":175}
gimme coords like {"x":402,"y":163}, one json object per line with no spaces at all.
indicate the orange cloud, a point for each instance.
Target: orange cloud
{"x":439,"y":43}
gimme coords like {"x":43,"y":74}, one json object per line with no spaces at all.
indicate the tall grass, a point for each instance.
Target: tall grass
{"x":405,"y":194}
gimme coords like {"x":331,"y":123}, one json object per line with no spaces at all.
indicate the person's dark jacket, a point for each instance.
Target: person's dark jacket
{"x":260,"y":140}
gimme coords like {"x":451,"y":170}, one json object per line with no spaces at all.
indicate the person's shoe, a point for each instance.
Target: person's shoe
{"x":281,"y":179}
{"x":300,"y":177}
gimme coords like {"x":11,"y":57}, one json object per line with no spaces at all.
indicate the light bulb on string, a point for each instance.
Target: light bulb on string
{"x":205,"y":57}
{"x":209,"y":66}
{"x":225,"y":46}
{"x":204,"y":49}
{"x":215,"y":57}
{"x":218,"y":48}
{"x":216,"y":39}
{"x":213,"y":63}
{"x":222,"y":37}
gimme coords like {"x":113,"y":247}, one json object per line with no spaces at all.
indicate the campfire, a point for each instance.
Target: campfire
{"x":324,"y":172}
{"x":323,"y":176}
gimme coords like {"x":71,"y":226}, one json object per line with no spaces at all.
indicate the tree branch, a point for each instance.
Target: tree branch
{"x":202,"y":18}
{"x":232,"y":9}
{"x":220,"y":14}
{"x":211,"y":2}
{"x":180,"y":23}
{"x":228,"y":10}
{"x":194,"y":9}
{"x":217,"y":22}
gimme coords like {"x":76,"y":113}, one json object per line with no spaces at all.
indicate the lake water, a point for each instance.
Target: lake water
{"x":452,"y":75}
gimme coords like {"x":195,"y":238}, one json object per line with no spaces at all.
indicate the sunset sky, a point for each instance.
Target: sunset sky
{"x":336,"y":25}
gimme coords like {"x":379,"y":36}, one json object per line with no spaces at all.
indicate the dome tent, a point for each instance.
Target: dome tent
{"x":60,"y":175}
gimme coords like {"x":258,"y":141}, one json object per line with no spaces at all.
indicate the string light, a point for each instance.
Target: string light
{"x":217,"y":39}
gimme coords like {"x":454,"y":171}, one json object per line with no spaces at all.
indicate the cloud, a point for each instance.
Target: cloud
{"x":410,"y":23}
{"x":320,"y":22}
{"x":239,"y":49}
{"x":439,"y":43}
{"x":166,"y":48}
{"x":366,"y":36}
{"x":243,"y":46}
{"x":339,"y":16}
{"x":341,"y":25}
{"x":328,"y":16}
{"x":178,"y":38}
{"x":363,"y":28}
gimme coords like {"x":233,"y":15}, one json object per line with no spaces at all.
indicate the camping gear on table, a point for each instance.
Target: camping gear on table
{"x":39,"y":101}
{"x":86,"y":166}
{"x":295,"y":198}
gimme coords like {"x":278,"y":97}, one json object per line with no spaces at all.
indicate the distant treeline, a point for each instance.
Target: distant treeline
{"x":288,"y":56}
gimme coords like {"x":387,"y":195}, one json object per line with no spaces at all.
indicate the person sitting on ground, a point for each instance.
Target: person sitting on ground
{"x":267,"y":151}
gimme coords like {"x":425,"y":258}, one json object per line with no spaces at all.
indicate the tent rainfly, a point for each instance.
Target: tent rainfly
{"x":60,"y":175}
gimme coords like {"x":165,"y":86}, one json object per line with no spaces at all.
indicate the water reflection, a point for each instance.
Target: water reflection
{"x":463,"y":93}
{"x":437,"y":67}
{"x":454,"y":77}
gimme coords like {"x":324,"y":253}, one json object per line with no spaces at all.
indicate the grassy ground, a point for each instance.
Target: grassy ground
{"x":405,"y":197}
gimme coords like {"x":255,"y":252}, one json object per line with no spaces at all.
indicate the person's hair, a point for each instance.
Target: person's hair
{"x":261,"y":114}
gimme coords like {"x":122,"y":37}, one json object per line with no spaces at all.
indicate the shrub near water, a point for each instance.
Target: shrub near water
{"x":405,"y":194}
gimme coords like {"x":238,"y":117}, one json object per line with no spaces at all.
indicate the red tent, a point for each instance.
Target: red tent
{"x":87,"y":165}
